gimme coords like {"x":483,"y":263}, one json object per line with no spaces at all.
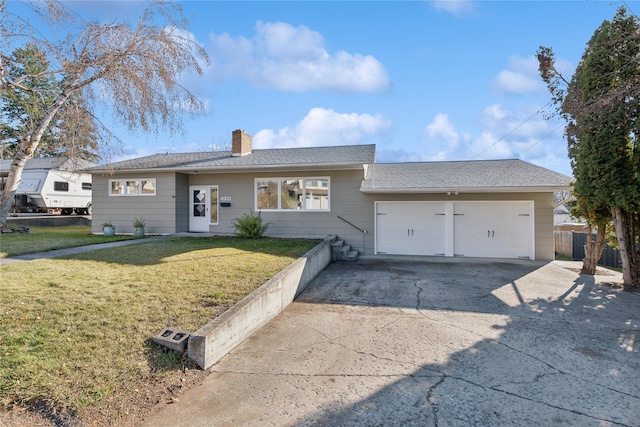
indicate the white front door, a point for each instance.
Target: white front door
{"x":199,"y":208}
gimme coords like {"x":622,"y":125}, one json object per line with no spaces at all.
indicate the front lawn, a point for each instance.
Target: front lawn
{"x":75,"y":331}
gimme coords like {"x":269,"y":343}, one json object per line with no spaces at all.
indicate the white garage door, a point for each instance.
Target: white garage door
{"x":493,"y":229}
{"x":410,"y":228}
{"x":472,"y":229}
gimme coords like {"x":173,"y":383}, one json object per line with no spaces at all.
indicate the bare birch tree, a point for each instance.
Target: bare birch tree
{"x":133,"y":69}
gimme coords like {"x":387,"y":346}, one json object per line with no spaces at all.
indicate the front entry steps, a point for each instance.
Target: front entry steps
{"x":340,"y":251}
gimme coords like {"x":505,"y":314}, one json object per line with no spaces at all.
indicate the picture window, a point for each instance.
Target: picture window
{"x":292,"y":194}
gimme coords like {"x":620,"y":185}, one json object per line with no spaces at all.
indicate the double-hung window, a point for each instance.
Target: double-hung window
{"x":292,"y":194}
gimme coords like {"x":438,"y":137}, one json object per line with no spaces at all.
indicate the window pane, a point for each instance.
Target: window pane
{"x":117,"y":187}
{"x":149,"y":187}
{"x":291,"y":192}
{"x":214,"y":205}
{"x":317,"y":194}
{"x":199,"y":203}
{"x":86,"y":186}
{"x":133,"y":187}
{"x":267,"y":192}
{"x":60,"y":186}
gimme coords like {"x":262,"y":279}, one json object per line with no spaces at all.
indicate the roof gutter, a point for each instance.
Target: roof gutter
{"x":233,"y":169}
{"x":456,"y":191}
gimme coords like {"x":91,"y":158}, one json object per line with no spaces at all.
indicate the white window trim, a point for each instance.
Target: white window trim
{"x":124,"y":180}
{"x":303,"y":180}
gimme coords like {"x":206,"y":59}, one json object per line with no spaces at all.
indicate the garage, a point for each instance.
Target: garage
{"x":494,"y":229}
{"x":411,"y":228}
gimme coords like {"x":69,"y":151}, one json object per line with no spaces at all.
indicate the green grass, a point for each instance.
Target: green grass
{"x":40,"y":239}
{"x":563,"y":257}
{"x":75,"y":331}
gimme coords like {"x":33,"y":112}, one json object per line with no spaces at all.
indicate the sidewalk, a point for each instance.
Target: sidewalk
{"x":76,"y":250}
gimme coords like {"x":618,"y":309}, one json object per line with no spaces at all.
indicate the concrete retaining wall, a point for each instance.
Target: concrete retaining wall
{"x":217,"y":338}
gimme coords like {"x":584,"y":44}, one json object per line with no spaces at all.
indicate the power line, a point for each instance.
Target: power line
{"x":626,"y":5}
{"x":513,"y":130}
{"x":541,"y":139}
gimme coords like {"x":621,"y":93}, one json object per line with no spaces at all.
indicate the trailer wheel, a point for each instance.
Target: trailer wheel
{"x":88,"y":210}
{"x":66,"y":211}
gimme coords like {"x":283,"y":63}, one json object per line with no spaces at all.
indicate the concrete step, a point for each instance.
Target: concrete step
{"x":352,"y":256}
{"x":344,"y":251}
{"x":341,"y":251}
{"x":335,"y":249}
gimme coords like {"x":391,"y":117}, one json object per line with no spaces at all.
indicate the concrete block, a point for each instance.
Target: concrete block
{"x":174,"y":339}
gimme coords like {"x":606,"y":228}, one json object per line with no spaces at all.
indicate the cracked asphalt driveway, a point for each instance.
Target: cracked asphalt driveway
{"x":431,"y":342}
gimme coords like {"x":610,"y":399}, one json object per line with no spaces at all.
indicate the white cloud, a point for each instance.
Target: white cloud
{"x":520,"y":78}
{"x":502,"y":134}
{"x":285,"y":57}
{"x":441,"y":127}
{"x":322,"y":127}
{"x":455,"y":7}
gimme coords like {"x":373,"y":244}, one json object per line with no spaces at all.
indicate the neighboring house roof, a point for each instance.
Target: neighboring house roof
{"x":47,"y":163}
{"x":462,"y":176}
{"x":338,"y":157}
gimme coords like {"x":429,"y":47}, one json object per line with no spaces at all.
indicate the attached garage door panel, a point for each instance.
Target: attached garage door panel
{"x":472,"y":229}
{"x":500,"y":230}
{"x":410,"y":228}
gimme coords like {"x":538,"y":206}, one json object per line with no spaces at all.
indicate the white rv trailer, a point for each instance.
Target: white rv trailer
{"x":51,"y":183}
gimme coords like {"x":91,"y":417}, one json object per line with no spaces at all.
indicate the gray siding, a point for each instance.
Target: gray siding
{"x":345,"y":198}
{"x":159,"y":211}
{"x":181,"y":207}
{"x":168,"y":211}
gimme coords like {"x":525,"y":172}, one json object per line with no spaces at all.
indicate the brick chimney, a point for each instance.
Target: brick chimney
{"x":240,"y":143}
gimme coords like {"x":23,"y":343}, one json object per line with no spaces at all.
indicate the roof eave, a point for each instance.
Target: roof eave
{"x":236,"y":169}
{"x":445,"y":190}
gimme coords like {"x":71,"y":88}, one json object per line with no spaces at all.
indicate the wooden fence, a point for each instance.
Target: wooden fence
{"x":571,"y":244}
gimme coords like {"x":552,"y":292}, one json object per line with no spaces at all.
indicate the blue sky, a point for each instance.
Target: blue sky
{"x":423,"y":80}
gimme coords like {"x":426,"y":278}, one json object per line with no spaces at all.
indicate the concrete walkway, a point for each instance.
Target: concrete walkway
{"x":76,"y":250}
{"x":414,"y":342}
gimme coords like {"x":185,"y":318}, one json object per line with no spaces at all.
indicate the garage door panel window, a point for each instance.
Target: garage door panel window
{"x":292,"y":194}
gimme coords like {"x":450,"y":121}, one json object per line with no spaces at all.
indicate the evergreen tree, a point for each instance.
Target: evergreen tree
{"x":70,"y":134}
{"x":601,"y":104}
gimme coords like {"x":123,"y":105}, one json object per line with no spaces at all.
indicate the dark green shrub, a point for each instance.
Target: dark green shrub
{"x":250,"y":225}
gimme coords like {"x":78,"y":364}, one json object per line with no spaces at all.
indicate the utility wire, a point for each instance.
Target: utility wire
{"x":541,"y":139}
{"x":514,"y":129}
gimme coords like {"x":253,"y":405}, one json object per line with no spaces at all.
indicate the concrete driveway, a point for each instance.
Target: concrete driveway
{"x":430,"y":342}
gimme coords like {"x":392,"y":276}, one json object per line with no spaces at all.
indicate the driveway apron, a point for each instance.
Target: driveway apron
{"x":423,"y":342}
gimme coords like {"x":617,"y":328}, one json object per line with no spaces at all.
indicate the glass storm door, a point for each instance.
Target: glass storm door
{"x":199,"y":210}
